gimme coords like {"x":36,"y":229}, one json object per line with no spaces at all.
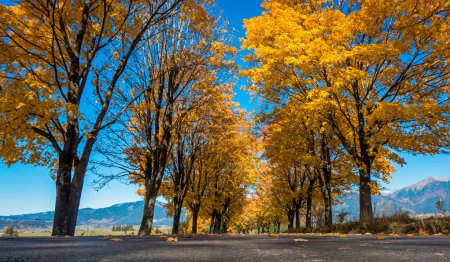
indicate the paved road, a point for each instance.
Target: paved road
{"x":229,"y":248}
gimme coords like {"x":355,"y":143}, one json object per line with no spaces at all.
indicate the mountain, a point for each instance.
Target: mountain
{"x":382,"y":205}
{"x":120,"y":214}
{"x":422,"y":196}
{"x":419,"y":198}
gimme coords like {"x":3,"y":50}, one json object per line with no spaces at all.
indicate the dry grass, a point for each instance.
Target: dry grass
{"x":398,"y":224}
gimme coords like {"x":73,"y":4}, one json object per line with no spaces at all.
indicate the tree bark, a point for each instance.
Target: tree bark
{"x":195,"y":212}
{"x":290,"y":214}
{"x":74,"y":201}
{"x":149,"y":210}
{"x":176,"y":218}
{"x":217,"y":224}
{"x":224,"y":228}
{"x":62,"y":211}
{"x":297,"y":218}
{"x":365,"y":196}
{"x":328,"y":211}
{"x":309,"y":205}
{"x":326,"y":185}
{"x":213,"y":222}
{"x":327,"y":205}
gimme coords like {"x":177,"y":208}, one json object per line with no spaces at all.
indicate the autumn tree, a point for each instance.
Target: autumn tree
{"x":380,"y":66}
{"x":234,"y":170}
{"x":193,"y":138}
{"x":263,"y":209}
{"x":220,"y":117}
{"x":52,"y":53}
{"x":187,"y":144}
{"x":177,"y":73}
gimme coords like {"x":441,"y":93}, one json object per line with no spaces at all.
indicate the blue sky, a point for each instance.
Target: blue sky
{"x":28,"y":189}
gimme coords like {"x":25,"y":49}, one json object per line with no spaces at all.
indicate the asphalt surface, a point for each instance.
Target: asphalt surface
{"x":229,"y":248}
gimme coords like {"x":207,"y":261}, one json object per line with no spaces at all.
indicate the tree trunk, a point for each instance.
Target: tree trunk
{"x":328,"y":211}
{"x":195,"y":212}
{"x":212,"y":223}
{"x":176,"y":218}
{"x":224,"y":228}
{"x":62,"y":210}
{"x":309,"y":205}
{"x":74,"y":201}
{"x":217,"y":224}
{"x":76,"y":187}
{"x":297,"y":218}
{"x":326,"y":185}
{"x":149,"y":211}
{"x":365,"y":196}
{"x":325,"y":189}
{"x":290,"y":215}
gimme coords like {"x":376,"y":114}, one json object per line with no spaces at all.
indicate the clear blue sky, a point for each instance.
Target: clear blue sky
{"x":28,"y":189}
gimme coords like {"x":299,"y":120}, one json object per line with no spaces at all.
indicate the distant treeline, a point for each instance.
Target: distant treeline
{"x":128,"y":227}
{"x":25,"y":223}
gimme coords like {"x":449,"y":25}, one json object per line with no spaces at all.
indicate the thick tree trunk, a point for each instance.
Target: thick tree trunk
{"x":325,"y":189}
{"x":365,"y":195}
{"x":62,"y":209}
{"x":213,"y":221}
{"x":76,"y":187}
{"x":326,"y":186}
{"x":309,"y":205}
{"x":195,"y":212}
{"x":149,"y":211}
{"x":74,"y":202}
{"x":176,"y":218}
{"x":217,"y":224}
{"x":328,"y":211}
{"x":297,"y":218}
{"x":290,"y":215}
{"x":224,"y":228}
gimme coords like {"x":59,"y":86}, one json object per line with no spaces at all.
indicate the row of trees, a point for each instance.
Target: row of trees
{"x":147,"y":86}
{"x":348,"y":85}
{"x":125,"y":228}
{"x":143,"y":84}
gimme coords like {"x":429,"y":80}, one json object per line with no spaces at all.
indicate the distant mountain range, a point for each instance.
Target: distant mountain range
{"x":120,"y":214}
{"x":419,"y":198}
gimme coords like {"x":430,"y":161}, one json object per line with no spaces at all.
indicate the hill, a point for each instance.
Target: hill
{"x":419,"y":198}
{"x":120,"y":214}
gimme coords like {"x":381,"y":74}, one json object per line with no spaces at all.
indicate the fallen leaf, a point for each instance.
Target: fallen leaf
{"x":300,"y":240}
{"x":172,"y":239}
{"x":115,"y":239}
